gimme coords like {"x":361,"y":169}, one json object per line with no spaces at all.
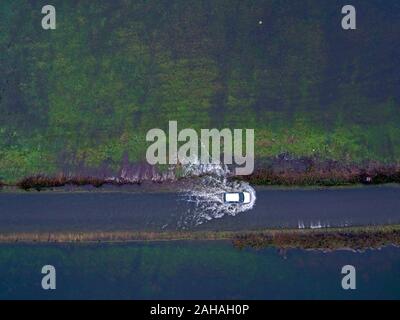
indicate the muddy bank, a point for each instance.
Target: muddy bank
{"x":359,"y":238}
{"x":307,"y":171}
{"x":283,"y":169}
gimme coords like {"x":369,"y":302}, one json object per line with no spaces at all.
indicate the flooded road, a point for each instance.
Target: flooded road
{"x":107,"y":211}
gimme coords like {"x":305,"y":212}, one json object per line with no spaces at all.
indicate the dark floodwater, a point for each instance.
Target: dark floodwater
{"x":274,"y":208}
{"x":194,"y":270}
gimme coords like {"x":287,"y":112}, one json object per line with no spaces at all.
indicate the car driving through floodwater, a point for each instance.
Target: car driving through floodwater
{"x":237,"y":197}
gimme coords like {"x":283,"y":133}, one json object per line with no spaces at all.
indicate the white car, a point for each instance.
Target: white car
{"x":237,"y":197}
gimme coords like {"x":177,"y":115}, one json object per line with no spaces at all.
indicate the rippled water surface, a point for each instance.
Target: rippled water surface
{"x":194,"y":270}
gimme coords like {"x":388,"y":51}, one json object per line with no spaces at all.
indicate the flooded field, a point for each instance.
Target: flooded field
{"x":194,"y":270}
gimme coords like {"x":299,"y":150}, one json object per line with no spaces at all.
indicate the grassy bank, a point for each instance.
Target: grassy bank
{"x":356,"y":238}
{"x":282,"y":170}
{"x":40,"y":182}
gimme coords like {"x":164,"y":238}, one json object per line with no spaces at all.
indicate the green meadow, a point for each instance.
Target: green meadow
{"x":85,"y":95}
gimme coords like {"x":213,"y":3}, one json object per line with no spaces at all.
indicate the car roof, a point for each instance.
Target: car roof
{"x":232,"y":196}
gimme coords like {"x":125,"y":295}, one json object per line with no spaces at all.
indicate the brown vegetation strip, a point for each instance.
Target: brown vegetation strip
{"x":41,"y":182}
{"x":327,"y":239}
{"x":281,"y":170}
{"x":112,"y":236}
{"x":327,"y":173}
{"x":352,"y":238}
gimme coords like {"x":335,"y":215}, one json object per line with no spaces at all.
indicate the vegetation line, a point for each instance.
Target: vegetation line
{"x":356,"y":238}
{"x":316,"y":174}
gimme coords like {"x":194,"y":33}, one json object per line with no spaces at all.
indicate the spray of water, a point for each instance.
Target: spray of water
{"x":206,"y":190}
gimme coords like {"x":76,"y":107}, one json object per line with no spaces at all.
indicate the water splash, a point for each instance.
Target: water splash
{"x":205,"y":193}
{"x":313,"y":225}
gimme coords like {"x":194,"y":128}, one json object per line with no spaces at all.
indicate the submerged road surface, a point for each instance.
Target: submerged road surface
{"x":164,"y":211}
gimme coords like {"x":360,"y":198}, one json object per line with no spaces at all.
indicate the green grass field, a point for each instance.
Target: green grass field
{"x":84,"y":95}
